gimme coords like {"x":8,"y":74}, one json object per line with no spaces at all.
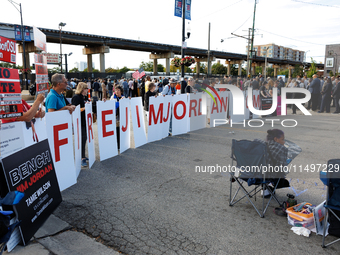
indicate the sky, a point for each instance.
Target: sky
{"x":306,"y":25}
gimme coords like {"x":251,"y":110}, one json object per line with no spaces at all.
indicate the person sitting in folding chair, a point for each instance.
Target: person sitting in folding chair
{"x":277,"y":157}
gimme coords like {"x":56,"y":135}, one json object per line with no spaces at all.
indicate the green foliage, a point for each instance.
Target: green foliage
{"x":258,"y":70}
{"x":110,"y":70}
{"x":312,"y":69}
{"x":331,"y":73}
{"x":93,"y":70}
{"x":284,"y":72}
{"x":55,"y":70}
{"x":203,"y":68}
{"x":147,"y":66}
{"x":160,"y":68}
{"x":124,"y":70}
{"x":74,"y":70}
{"x":298,"y":70}
{"x":9,"y":65}
{"x":218,"y":68}
{"x":270,"y":72}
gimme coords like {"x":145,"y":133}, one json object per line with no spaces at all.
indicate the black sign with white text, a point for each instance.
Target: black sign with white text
{"x":32,"y":172}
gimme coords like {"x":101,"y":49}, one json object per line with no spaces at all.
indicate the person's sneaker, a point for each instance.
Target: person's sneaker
{"x":83,"y":163}
{"x":169,"y":134}
{"x":87,"y":159}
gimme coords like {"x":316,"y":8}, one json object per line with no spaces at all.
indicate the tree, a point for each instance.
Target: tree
{"x":270,"y":71}
{"x":55,"y":70}
{"x":298,"y":70}
{"x":160,"y":68}
{"x":147,"y":66}
{"x":74,"y":70}
{"x":110,"y":70}
{"x":284,"y":72}
{"x":203,"y":68}
{"x":124,"y":69}
{"x":218,"y":68}
{"x":312,"y":69}
{"x":93,"y":70}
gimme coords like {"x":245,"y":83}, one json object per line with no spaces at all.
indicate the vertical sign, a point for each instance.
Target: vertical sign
{"x":32,"y":172}
{"x":41,"y":73}
{"x":7,"y":50}
{"x":10,"y":93}
{"x":17,"y":33}
{"x":27,"y":34}
{"x":178,"y":9}
{"x":39,"y":39}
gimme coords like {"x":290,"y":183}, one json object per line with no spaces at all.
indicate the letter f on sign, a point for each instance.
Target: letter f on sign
{"x":57,"y":142}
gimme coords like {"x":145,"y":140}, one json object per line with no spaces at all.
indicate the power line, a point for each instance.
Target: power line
{"x":291,"y":38}
{"x":219,"y":10}
{"x":334,"y":6}
{"x":242,"y":24}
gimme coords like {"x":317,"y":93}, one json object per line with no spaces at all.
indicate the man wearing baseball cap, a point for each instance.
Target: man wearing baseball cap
{"x":170,"y":88}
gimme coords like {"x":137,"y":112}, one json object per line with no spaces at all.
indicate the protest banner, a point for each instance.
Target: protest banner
{"x":107,"y":137}
{"x":90,"y":134}
{"x":59,"y":133}
{"x":31,"y":171}
{"x":7,"y":50}
{"x":10,"y":93}
{"x":124,"y":131}
{"x":41,"y":73}
{"x":219,"y":110}
{"x":197,"y":113}
{"x":180,"y":115}
{"x":77,"y":132}
{"x":138,"y":122}
{"x":39,"y":39}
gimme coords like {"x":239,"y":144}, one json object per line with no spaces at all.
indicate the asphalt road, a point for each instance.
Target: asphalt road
{"x":150,"y":200}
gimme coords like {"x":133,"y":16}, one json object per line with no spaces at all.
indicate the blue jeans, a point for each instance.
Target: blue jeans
{"x":126,"y":92}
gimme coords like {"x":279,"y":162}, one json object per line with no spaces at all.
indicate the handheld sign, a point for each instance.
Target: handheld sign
{"x":10,"y":93}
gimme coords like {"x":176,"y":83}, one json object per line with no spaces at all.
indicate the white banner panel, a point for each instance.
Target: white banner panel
{"x":155,"y":118}
{"x":138,"y":123}
{"x":11,"y":138}
{"x":107,"y":137}
{"x":77,"y":138}
{"x":124,"y":115}
{"x":234,"y":118}
{"x":256,"y":102}
{"x":197,"y":113}
{"x":246,"y":108}
{"x":34,"y":131}
{"x":90,"y":134}
{"x":179,"y":115}
{"x":218,"y":111}
{"x":167,"y":112}
{"x":59,"y":133}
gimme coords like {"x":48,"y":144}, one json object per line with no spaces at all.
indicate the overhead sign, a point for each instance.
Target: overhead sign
{"x":41,"y":73}
{"x":52,"y":58}
{"x":178,"y":9}
{"x":32,"y":172}
{"x":17,"y":33}
{"x":10,"y":93}
{"x":7,"y":50}
{"x":39,"y":39}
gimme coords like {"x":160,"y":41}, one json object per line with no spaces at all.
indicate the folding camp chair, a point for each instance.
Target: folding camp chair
{"x":332,"y":205}
{"x":250,"y":157}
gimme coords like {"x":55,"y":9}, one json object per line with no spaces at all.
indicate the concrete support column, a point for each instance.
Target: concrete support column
{"x":198,"y":67}
{"x":253,"y":69}
{"x":228,"y":67}
{"x":29,"y":47}
{"x":275,"y":69}
{"x":263,"y":69}
{"x":290,"y":71}
{"x":155,"y":66}
{"x":240,"y":67}
{"x":102,"y":62}
{"x":167,"y":66}
{"x":89,"y":63}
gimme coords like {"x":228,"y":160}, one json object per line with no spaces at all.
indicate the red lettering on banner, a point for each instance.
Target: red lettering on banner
{"x":106,"y":122}
{"x":78,"y":133}
{"x":138,"y":120}
{"x":247,"y":102}
{"x":167,"y":116}
{"x":184,"y":110}
{"x":214,"y":107}
{"x":199,"y":107}
{"x":152,"y":113}
{"x":126,"y":119}
{"x":193,"y":105}
{"x":256,"y":103}
{"x":89,"y":126}
{"x":57,"y":142}
{"x":224,"y":104}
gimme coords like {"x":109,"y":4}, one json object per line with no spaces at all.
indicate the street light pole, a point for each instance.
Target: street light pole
{"x":183,"y":41}
{"x":265,"y":64}
{"x":252,"y":37}
{"x":61,"y":25}
{"x":23,"y":42}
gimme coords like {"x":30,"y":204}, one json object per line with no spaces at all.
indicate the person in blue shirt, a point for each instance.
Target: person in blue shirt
{"x":55,"y":99}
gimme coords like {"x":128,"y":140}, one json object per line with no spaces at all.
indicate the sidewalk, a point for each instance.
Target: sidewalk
{"x":57,"y":237}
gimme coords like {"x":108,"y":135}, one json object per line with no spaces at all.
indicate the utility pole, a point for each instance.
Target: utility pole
{"x":208,"y":51}
{"x":183,"y":41}
{"x":252,"y":37}
{"x":248,"y":66}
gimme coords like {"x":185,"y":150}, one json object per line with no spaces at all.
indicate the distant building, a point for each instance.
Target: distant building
{"x":82,"y":65}
{"x":279,"y":52}
{"x":332,"y":61}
